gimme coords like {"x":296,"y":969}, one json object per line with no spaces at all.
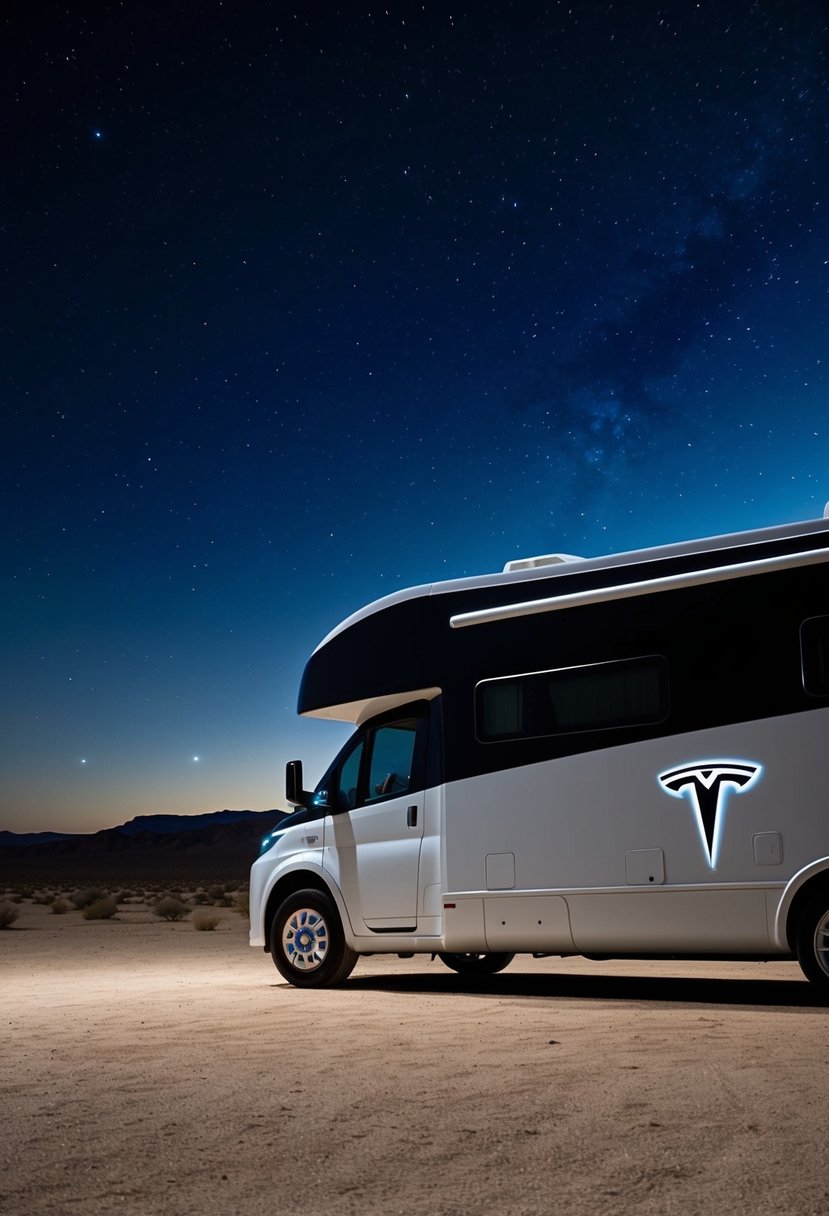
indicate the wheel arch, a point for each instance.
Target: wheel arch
{"x":801,"y":888}
{"x":299,"y":880}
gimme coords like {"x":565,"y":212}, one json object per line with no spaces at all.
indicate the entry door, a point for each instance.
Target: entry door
{"x":373,"y":846}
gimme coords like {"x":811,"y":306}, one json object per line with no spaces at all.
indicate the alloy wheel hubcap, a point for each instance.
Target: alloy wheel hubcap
{"x":305,"y":939}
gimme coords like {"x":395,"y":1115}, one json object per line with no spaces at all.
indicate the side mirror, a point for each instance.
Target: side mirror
{"x":294,"y":793}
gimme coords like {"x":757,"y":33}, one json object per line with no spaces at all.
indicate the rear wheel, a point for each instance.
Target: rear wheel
{"x":307,"y":941}
{"x":476,"y":964}
{"x":813,"y":941}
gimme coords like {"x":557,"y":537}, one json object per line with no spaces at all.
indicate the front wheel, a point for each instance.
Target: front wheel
{"x":476,"y":964}
{"x":307,"y":941}
{"x":813,"y":941}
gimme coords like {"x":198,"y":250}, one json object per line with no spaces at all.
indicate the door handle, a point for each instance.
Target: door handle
{"x":411,"y":817}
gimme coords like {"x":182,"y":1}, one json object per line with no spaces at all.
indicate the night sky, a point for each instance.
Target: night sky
{"x":306,"y":303}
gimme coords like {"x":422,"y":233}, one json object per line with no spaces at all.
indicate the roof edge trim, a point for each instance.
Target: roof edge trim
{"x":601,"y":595}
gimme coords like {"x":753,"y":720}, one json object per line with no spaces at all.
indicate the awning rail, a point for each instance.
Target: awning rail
{"x":623,"y":591}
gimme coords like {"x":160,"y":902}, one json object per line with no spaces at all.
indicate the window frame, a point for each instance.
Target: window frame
{"x":804,"y":672}
{"x":365,"y":797}
{"x":364,"y":737}
{"x":663,"y":676}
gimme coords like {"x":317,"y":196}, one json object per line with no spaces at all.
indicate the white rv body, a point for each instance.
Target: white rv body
{"x":611,"y":757}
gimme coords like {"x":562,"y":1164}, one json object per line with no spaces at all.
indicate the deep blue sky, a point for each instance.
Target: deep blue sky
{"x":306,"y":303}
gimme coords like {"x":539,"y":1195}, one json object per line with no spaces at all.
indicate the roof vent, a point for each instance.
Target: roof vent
{"x":546,"y":559}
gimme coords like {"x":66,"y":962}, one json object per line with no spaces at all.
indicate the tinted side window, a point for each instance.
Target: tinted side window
{"x":633,"y":692}
{"x":337,"y":790}
{"x":378,"y":762}
{"x":349,"y":779}
{"x":392,"y":756}
{"x":814,"y":655}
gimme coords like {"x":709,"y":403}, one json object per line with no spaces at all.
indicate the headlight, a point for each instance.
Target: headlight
{"x":266,"y":841}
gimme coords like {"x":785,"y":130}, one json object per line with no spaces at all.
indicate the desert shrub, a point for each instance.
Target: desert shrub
{"x":205,"y":921}
{"x":216,"y":891}
{"x":82,"y":899}
{"x":16,"y":898}
{"x":8,"y":915}
{"x":241,"y":902}
{"x":200,"y":897}
{"x":58,"y":906}
{"x":101,"y":909}
{"x":170,"y":908}
{"x":43,"y":897}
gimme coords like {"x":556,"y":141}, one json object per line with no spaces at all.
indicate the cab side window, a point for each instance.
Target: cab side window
{"x":379,"y":762}
{"x":392,"y":757}
{"x":349,"y":778}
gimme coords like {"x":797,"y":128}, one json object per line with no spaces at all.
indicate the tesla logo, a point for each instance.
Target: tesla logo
{"x":707,"y":785}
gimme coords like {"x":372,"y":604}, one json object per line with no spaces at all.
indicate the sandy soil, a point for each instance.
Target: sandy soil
{"x":146,"y":1068}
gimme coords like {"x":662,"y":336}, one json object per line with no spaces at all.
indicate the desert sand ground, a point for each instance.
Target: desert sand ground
{"x":149,"y":1069}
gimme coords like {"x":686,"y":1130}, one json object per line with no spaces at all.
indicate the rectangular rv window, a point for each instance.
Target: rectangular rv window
{"x":814,"y":655}
{"x":632,"y":692}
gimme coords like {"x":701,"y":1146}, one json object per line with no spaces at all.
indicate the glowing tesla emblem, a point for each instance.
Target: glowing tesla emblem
{"x":707,"y":784}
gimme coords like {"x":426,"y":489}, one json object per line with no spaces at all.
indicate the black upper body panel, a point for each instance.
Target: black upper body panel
{"x":732,"y":648}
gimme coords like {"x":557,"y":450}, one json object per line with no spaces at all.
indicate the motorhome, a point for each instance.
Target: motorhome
{"x":615,"y":757}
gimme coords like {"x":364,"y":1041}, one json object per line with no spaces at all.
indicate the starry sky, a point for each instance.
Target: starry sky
{"x":304,"y":303}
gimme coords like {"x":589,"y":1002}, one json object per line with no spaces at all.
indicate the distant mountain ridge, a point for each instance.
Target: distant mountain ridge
{"x":188,"y":823}
{"x":10,"y":838}
{"x":147,"y":832}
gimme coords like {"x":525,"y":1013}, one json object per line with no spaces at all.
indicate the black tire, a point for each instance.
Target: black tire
{"x":476,"y":964}
{"x":812,"y":941}
{"x":308,"y":946}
